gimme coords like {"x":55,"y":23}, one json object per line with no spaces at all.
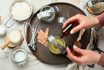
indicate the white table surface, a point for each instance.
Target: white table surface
{"x":32,"y":62}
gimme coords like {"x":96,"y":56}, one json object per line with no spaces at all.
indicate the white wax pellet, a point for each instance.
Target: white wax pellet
{"x":61,"y":19}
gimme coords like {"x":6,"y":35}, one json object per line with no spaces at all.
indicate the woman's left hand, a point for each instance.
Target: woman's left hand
{"x":87,"y":56}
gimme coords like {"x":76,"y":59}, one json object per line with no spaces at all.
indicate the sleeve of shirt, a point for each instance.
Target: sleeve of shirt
{"x":101,"y":19}
{"x":101,"y":61}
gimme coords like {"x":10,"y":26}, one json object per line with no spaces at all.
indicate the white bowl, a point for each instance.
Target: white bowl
{"x":17,"y":18}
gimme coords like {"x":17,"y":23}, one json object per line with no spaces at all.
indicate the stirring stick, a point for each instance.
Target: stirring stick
{"x":80,"y":34}
{"x":78,"y":43}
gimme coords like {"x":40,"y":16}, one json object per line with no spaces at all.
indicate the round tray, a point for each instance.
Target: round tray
{"x":55,"y":28}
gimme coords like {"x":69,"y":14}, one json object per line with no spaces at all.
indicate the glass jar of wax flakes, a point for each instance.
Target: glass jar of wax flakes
{"x":47,"y":14}
{"x":19,"y":56}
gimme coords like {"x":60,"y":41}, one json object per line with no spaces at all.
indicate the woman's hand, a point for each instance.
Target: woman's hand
{"x":87,"y":56}
{"x":83,"y":22}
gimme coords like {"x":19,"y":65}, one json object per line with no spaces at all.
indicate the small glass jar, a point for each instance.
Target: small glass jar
{"x":19,"y":56}
{"x":57,"y":45}
{"x":95,"y":6}
{"x":47,"y":14}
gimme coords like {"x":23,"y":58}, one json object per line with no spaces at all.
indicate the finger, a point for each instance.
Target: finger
{"x":73,"y":57}
{"x":78,"y":50}
{"x":68,"y":52}
{"x":76,"y":29}
{"x":72,"y":19}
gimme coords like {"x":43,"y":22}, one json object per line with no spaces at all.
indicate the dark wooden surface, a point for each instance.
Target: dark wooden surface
{"x":55,"y":28}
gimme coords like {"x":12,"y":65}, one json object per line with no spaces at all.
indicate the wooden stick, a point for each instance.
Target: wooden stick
{"x":80,"y":34}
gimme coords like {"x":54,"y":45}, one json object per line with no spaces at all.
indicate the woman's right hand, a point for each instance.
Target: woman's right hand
{"x":84,"y":22}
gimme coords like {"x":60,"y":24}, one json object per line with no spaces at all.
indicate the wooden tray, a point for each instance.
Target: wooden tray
{"x":42,"y":52}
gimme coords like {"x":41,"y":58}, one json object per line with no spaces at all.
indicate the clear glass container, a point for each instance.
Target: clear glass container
{"x":57,"y":45}
{"x":19,"y":56}
{"x":47,"y":14}
{"x":95,"y":6}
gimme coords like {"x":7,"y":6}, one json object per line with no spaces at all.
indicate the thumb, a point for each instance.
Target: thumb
{"x":76,"y":29}
{"x":78,"y":50}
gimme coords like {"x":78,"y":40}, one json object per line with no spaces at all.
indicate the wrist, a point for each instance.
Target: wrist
{"x":101,"y":60}
{"x":96,"y":21}
{"x":98,"y":58}
{"x":101,"y":19}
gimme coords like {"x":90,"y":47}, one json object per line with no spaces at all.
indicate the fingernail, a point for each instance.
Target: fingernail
{"x":74,"y":46}
{"x":72,"y":32}
{"x":67,"y":48}
{"x":68,"y":57}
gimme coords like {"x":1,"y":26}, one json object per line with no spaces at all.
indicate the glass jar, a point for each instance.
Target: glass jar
{"x":47,"y":14}
{"x":57,"y":45}
{"x":19,"y":56}
{"x":95,"y":6}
